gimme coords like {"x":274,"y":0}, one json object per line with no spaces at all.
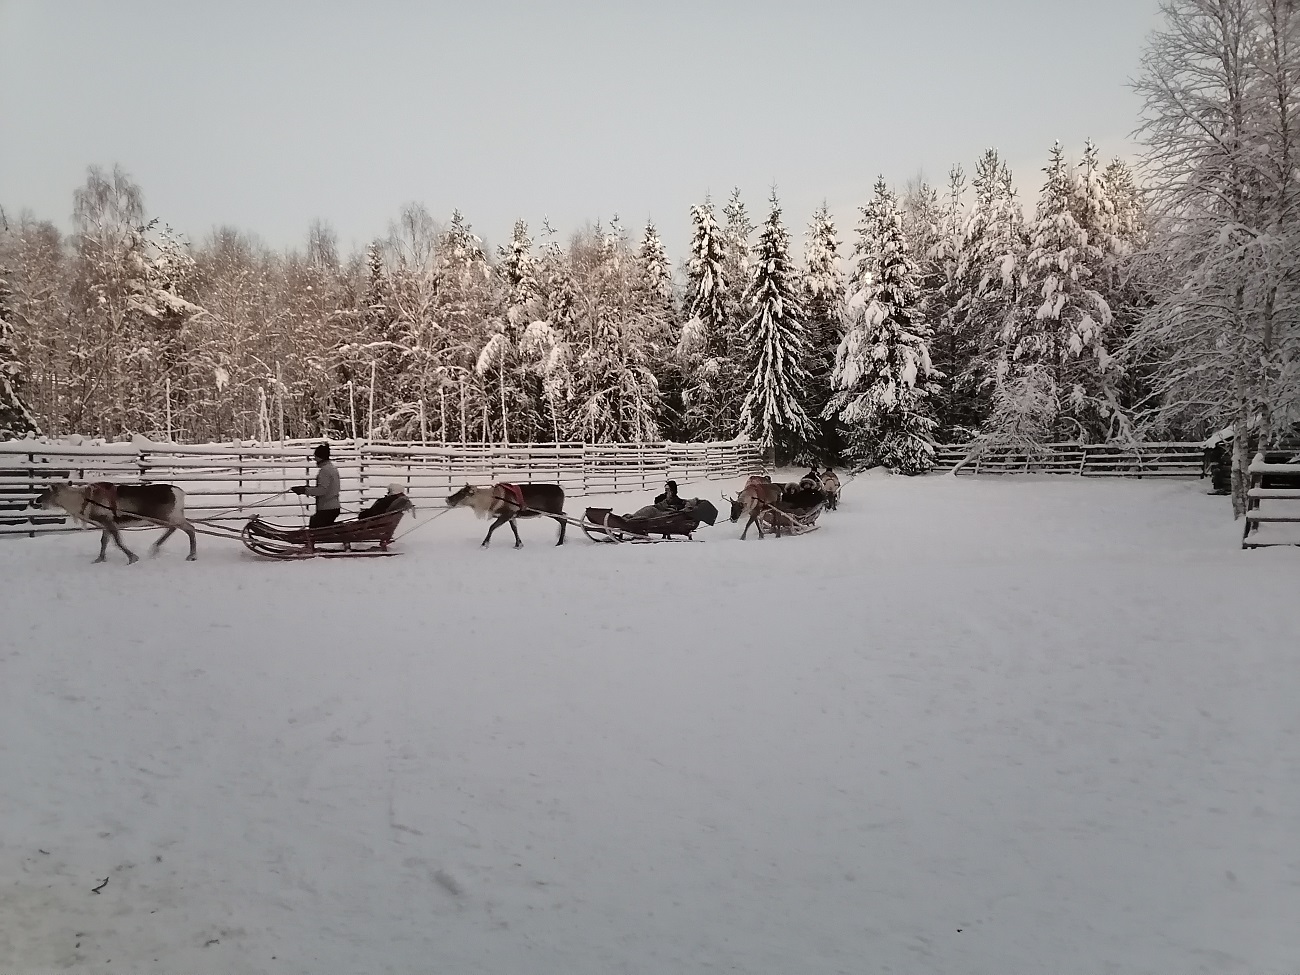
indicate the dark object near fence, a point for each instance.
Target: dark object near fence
{"x":1217,"y":463}
{"x":332,"y":541}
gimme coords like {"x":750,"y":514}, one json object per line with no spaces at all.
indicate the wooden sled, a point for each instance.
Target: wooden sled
{"x":602,"y":525}
{"x":785,"y":519}
{"x":339,"y":540}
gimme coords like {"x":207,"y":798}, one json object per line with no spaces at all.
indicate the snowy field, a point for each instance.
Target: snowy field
{"x":970,"y":726}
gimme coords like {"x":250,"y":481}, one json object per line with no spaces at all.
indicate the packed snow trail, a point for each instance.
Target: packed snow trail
{"x":971,"y":725}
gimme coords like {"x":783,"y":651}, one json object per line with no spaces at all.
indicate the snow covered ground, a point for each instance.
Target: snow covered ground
{"x":970,"y":726}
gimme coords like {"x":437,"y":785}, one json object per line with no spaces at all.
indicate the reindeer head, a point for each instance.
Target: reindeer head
{"x":737,"y":506}
{"x":464,"y":496}
{"x":49,"y":498}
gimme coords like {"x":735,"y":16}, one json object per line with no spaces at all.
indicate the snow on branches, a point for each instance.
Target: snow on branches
{"x":883,"y":377}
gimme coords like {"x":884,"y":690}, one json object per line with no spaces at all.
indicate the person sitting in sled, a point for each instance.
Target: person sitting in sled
{"x":325,"y":491}
{"x":394,"y":500}
{"x":669,"y":501}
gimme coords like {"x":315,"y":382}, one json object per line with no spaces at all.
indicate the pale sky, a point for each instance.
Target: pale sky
{"x":266,"y":115}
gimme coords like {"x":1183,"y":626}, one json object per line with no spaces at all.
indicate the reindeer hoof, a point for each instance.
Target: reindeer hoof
{"x":132,"y":559}
{"x":519,"y":544}
{"x":191,"y":558}
{"x":102,"y":558}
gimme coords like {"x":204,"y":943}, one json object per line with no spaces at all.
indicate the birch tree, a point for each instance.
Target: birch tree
{"x":1219,"y":83}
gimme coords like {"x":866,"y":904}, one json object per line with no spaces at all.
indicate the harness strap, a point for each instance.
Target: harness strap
{"x":100,"y":494}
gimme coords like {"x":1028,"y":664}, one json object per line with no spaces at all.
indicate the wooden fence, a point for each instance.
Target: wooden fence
{"x":1274,"y":477}
{"x":221,"y":480}
{"x":1181,"y":459}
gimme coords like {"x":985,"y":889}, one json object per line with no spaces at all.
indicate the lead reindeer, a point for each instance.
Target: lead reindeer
{"x":831,"y":488}
{"x":507,"y":502}
{"x":773,"y":504}
{"x":111,"y":507}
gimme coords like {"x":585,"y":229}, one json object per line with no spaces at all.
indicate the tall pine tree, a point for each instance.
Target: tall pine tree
{"x":823,"y":302}
{"x":883,"y":377}
{"x":16,"y":419}
{"x":1053,"y":344}
{"x":773,"y":413}
{"x":704,"y":347}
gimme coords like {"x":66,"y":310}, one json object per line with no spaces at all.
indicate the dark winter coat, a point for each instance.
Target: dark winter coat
{"x":669,"y":501}
{"x":389,"y":502}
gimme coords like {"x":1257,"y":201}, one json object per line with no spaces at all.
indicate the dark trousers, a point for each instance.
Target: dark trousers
{"x":322,"y":518}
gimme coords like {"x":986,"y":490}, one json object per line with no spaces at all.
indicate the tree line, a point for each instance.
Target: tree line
{"x":1121,"y":306}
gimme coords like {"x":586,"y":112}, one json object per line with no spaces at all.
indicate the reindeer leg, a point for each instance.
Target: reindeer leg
{"x":103,"y":548}
{"x":563,"y":526}
{"x":131,"y":557}
{"x":519,"y":542}
{"x":153,"y":549}
{"x":501,"y":520}
{"x":194,"y":541}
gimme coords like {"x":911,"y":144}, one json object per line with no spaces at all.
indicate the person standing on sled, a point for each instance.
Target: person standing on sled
{"x":669,"y":501}
{"x":326,"y":490}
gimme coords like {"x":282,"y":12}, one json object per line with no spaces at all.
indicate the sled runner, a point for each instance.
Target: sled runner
{"x":361,"y":537}
{"x":787,"y":519}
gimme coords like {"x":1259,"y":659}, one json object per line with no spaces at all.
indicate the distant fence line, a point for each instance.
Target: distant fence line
{"x":1174,"y":459}
{"x":220,"y":479}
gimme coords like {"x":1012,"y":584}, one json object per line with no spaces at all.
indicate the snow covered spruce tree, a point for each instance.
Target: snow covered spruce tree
{"x":656,"y":272}
{"x":737,"y":264}
{"x":978,"y":262}
{"x":36,"y":259}
{"x":502,"y":360}
{"x":1221,"y":83}
{"x":615,"y":394}
{"x":1053,"y":342}
{"x":16,"y":419}
{"x":710,"y":406}
{"x":955,"y":344}
{"x":776,"y":346}
{"x":883,"y":378}
{"x":822,"y":291}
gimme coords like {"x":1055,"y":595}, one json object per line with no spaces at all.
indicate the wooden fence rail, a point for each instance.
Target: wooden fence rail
{"x":221,"y":479}
{"x":1177,"y":459}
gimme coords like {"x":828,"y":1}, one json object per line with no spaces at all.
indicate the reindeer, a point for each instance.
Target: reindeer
{"x":831,"y":488}
{"x":111,"y":507}
{"x":506,"y":502}
{"x":758,"y":497}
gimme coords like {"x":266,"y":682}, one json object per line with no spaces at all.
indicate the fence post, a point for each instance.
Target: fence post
{"x":361,"y":475}
{"x":31,"y":485}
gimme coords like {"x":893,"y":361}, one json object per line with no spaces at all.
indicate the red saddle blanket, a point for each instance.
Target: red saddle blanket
{"x":510,"y":492}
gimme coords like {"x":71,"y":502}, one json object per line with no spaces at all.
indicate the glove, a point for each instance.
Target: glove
{"x":299,"y":489}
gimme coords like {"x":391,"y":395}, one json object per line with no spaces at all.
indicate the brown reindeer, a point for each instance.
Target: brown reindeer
{"x":111,"y":507}
{"x":506,"y":502}
{"x":753,"y":499}
{"x":759,"y":498}
{"x":831,"y":488}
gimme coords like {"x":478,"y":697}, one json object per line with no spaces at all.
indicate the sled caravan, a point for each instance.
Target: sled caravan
{"x":789,"y":508}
